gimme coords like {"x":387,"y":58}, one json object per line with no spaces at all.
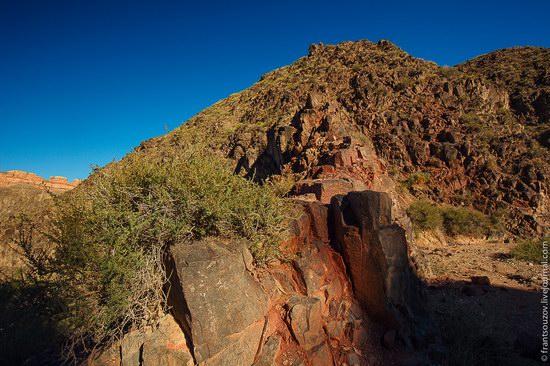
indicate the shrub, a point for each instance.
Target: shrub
{"x":417,"y":179}
{"x":472,"y":121}
{"x":425,"y":216}
{"x":112,"y":232}
{"x":530,"y":250}
{"x":454,"y":221}
{"x":465,"y":221}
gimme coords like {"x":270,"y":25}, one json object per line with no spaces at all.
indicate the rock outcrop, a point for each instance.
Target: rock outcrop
{"x":346,"y":288}
{"x":352,"y":125}
{"x":165,"y":345}
{"x":18,"y":177}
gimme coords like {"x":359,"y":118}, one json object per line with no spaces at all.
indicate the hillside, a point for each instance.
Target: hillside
{"x":469,"y":128}
{"x":324,"y":216}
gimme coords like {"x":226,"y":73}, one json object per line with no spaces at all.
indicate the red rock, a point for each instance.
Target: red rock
{"x":325,"y":189}
{"x":55,"y":183}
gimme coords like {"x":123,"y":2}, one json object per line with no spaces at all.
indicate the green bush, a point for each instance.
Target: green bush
{"x":425,"y":216}
{"x":111,"y":235}
{"x":472,"y":121}
{"x":417,"y":179}
{"x":530,"y":250}
{"x":454,"y":221}
{"x":465,"y":221}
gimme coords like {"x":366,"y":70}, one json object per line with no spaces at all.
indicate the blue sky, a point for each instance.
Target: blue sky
{"x":83,"y":82}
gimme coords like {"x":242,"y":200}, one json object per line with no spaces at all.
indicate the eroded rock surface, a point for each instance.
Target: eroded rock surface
{"x":18,"y":177}
{"x":319,"y":308}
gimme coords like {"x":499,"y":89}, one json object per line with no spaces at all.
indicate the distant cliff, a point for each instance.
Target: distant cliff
{"x":17,"y":177}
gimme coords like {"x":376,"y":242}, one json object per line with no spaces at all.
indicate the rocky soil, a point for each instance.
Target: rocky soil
{"x":482,"y":296}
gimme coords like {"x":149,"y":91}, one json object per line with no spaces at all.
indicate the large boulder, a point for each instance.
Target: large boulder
{"x":375,"y":251}
{"x":217,"y":301}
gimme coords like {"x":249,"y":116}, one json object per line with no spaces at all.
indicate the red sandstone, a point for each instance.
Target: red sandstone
{"x":16,"y":177}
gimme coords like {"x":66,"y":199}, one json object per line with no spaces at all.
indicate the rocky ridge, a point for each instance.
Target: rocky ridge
{"x":461,"y":126}
{"x":352,"y":126}
{"x":18,"y":177}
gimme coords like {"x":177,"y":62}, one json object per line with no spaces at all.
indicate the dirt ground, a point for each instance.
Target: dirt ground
{"x":494,"y":322}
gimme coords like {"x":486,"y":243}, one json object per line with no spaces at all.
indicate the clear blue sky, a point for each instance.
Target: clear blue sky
{"x":84,"y":81}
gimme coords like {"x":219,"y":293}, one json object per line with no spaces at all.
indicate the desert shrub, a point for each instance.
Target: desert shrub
{"x":465,"y":221}
{"x":472,"y":121}
{"x":454,"y":221}
{"x":417,"y":179}
{"x":111,"y":235}
{"x":425,"y":216}
{"x":404,"y":83}
{"x":530,"y":250}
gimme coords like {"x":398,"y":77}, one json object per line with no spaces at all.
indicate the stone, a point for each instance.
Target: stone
{"x":268,"y":354}
{"x":375,"y":251}
{"x":389,"y":339}
{"x":216,"y":300}
{"x":165,"y":345}
{"x":480,"y":280}
{"x":325,"y":189}
{"x":305,"y":319}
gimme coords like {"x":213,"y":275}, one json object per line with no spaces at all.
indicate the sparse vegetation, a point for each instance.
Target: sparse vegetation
{"x":425,"y":216}
{"x":452,"y":220}
{"x":417,"y":179}
{"x":472,"y":121}
{"x":530,"y":250}
{"x":110,"y":237}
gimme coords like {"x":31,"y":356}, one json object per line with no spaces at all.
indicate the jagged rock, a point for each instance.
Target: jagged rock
{"x":325,"y":189}
{"x":165,"y":345}
{"x":217,"y":301}
{"x":268,"y":355}
{"x":376,"y":254}
{"x":305,"y":320}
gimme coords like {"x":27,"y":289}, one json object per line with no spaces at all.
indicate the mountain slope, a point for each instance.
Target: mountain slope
{"x":454,"y":125}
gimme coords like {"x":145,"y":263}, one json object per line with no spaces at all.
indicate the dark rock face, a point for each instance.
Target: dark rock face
{"x":375,"y":251}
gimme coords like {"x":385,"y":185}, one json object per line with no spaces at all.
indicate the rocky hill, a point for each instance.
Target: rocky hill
{"x":352,"y":135}
{"x":17,"y":178}
{"x":476,"y":131}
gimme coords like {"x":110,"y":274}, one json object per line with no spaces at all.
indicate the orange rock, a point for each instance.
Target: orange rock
{"x":55,"y":183}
